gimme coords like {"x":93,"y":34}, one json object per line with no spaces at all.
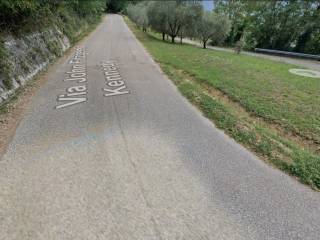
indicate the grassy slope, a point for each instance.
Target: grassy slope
{"x":243,"y":95}
{"x":263,"y":87}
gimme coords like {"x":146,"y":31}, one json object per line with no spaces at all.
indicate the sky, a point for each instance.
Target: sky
{"x":208,"y":4}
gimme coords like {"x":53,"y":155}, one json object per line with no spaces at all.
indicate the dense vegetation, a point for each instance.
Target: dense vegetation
{"x":254,"y":100}
{"x":18,"y":15}
{"x":180,"y":18}
{"x":283,"y":25}
{"x":291,"y":25}
{"x":115,"y":6}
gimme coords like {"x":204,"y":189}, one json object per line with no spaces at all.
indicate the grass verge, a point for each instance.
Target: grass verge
{"x":255,"y":101}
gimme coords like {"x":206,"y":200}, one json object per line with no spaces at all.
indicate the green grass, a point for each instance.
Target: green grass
{"x":246,"y":97}
{"x":263,"y":87}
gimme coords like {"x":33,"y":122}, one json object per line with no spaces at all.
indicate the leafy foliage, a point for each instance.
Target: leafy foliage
{"x":214,"y":26}
{"x":283,"y":25}
{"x":115,"y":6}
{"x":157,"y":15}
{"x":138,"y":13}
{"x":15,"y":14}
{"x":178,"y":18}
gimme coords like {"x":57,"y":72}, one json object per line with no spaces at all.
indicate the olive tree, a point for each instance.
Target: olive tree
{"x":192,"y":11}
{"x":212,"y":26}
{"x":138,"y":14}
{"x":222,"y":27}
{"x":157,"y":14}
{"x":131,"y":11}
{"x":175,"y":18}
{"x":142,"y":19}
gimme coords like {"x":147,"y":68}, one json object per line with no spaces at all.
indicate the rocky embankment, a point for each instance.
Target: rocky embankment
{"x":28,"y":55}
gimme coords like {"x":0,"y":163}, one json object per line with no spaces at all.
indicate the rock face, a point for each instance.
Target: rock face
{"x":28,"y":55}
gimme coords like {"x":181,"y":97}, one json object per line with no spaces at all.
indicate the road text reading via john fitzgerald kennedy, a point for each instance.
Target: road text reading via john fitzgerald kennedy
{"x":78,"y":75}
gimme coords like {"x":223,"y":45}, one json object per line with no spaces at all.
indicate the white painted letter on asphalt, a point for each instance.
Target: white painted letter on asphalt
{"x":75,"y":94}
{"x":113,"y":79}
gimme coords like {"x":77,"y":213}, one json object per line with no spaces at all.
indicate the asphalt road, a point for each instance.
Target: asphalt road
{"x":138,"y":165}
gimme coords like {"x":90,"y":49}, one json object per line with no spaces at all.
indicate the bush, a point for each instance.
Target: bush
{"x":239,"y":46}
{"x":4,"y":66}
{"x":15,"y":14}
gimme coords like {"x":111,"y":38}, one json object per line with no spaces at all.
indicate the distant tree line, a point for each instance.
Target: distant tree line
{"x":292,"y":25}
{"x":181,"y":19}
{"x":116,"y":6}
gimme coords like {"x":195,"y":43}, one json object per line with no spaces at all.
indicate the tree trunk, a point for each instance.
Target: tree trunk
{"x":302,"y":40}
{"x":172,"y":39}
{"x":163,"y":36}
{"x":204,"y":44}
{"x":181,"y":39}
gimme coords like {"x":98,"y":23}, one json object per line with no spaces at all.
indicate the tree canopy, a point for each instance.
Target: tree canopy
{"x":177,"y":18}
{"x":15,"y":13}
{"x":212,"y":26}
{"x":283,"y":25}
{"x":290,"y":25}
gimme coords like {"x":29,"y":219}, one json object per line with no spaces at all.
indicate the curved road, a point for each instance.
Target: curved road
{"x":138,"y":165}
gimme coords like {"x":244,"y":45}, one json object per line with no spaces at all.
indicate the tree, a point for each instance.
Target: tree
{"x":192,"y":11}
{"x":212,"y":26}
{"x":83,"y":7}
{"x":221,"y":29}
{"x":292,"y":25}
{"x":142,"y":18}
{"x":175,"y":18}
{"x":132,"y":12}
{"x":237,"y":12}
{"x":15,"y":12}
{"x":138,"y":14}
{"x":115,"y":6}
{"x":309,"y":37}
{"x":157,"y":17}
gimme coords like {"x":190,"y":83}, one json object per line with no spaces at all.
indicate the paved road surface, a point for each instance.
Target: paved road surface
{"x":304,"y":63}
{"x":138,"y":165}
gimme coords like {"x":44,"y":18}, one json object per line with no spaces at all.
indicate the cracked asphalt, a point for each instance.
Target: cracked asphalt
{"x":140,"y":165}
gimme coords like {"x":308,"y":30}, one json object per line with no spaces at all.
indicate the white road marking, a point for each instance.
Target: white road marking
{"x":305,"y":72}
{"x":113,"y":79}
{"x":77,"y":74}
